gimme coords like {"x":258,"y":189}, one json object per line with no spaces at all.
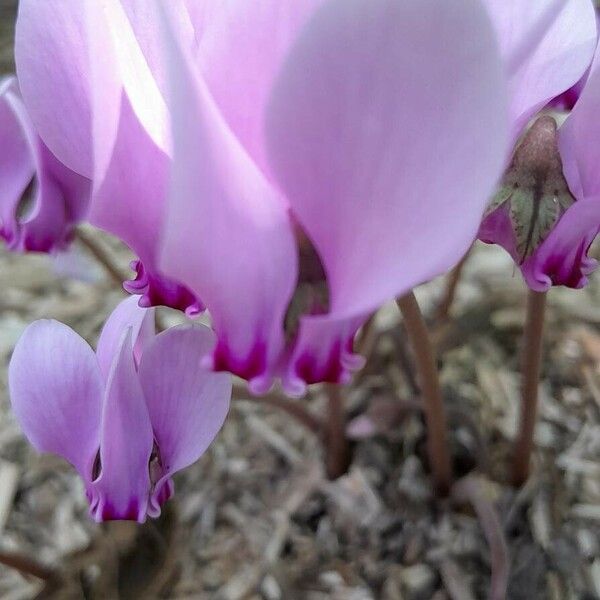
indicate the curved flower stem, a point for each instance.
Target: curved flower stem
{"x":337,"y":446}
{"x":101,"y":255}
{"x":26,"y":565}
{"x":471,"y":489}
{"x":433,"y":405}
{"x":532,"y":360}
{"x":452,"y":282}
{"x":295,"y":410}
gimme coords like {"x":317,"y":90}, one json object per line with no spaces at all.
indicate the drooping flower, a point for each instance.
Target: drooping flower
{"x":106,"y":120}
{"x":340,"y":174}
{"x":293,"y":163}
{"x":126,"y":417}
{"x":547,"y":211}
{"x":41,"y":199}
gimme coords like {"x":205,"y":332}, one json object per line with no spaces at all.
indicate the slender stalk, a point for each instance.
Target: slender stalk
{"x":532,"y":362}
{"x":26,"y":565}
{"x":338,"y":456}
{"x":452,"y":282}
{"x":295,"y":410}
{"x":472,"y":489}
{"x":433,"y":405}
{"x":102,"y":256}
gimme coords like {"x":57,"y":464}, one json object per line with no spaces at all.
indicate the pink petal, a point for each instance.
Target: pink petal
{"x":127,"y":315}
{"x":56,"y":393}
{"x":122,"y":489}
{"x":228,"y":234}
{"x":387,"y":130}
{"x":60,"y":196}
{"x":323,"y":352}
{"x":562,"y":258}
{"x":578,"y":139}
{"x":155,"y":289}
{"x":187,"y":404}
{"x":547,"y":46}
{"x":52,"y":64}
{"x":119,"y":68}
{"x":240,"y":54}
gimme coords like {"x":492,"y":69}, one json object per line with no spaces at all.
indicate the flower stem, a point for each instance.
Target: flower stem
{"x":433,"y":405}
{"x":295,"y":410}
{"x":101,"y":255}
{"x":452,"y":281}
{"x":337,"y":447}
{"x":532,"y":361}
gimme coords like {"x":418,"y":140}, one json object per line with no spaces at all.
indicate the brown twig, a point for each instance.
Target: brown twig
{"x":435,"y":413}
{"x":532,"y":360}
{"x":336,"y":441}
{"x":470,"y":489}
{"x":101,"y":255}
{"x":26,"y":565}
{"x":295,"y":410}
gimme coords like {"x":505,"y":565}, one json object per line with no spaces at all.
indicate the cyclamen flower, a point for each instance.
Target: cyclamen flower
{"x":547,"y":211}
{"x":293,"y":163}
{"x":40,"y":199}
{"x":127,"y":417}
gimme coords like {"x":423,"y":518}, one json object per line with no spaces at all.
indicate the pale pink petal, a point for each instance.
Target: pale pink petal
{"x":578,"y":139}
{"x":119,"y":68}
{"x":127,"y":315}
{"x":228,"y":233}
{"x":387,"y":130}
{"x":56,"y":393}
{"x":122,"y":488}
{"x":240,"y":54}
{"x":187,"y":403}
{"x":51,"y":54}
{"x":547,"y":46}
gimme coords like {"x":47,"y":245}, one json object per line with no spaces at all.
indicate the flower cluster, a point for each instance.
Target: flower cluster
{"x":288,"y":166}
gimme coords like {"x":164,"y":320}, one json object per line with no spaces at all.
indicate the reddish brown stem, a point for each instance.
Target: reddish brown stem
{"x":532,"y":362}
{"x":433,"y":405}
{"x":452,"y":281}
{"x":471,"y":489}
{"x":295,"y":410}
{"x":102,"y":256}
{"x":26,"y":565}
{"x":338,"y":456}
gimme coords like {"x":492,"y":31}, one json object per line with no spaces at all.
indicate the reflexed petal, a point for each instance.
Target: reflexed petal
{"x":578,"y":139}
{"x":52,"y":64}
{"x":145,"y":17}
{"x":129,"y":200}
{"x":187,"y":403}
{"x":118,"y":66}
{"x":562,"y":258}
{"x":121,"y":491}
{"x":127,"y":315}
{"x":547,"y":45}
{"x":240,"y":54}
{"x":387,"y":131}
{"x":228,"y":234}
{"x":56,"y":393}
